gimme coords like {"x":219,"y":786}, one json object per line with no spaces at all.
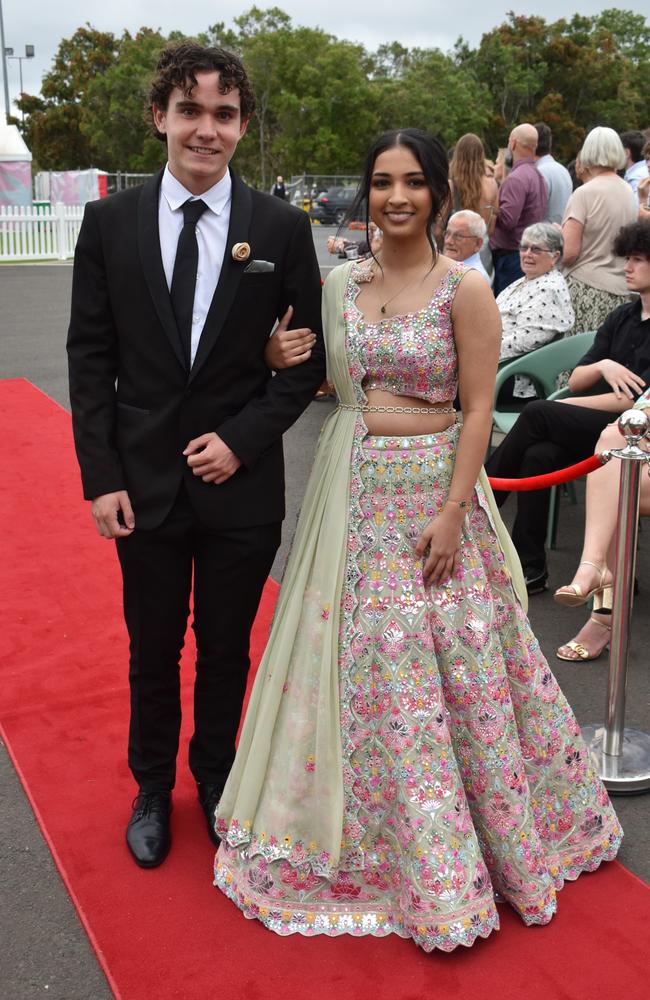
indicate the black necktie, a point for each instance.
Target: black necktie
{"x":184,"y":277}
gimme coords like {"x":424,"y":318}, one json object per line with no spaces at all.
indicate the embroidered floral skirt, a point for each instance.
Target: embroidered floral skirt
{"x":464,"y":772}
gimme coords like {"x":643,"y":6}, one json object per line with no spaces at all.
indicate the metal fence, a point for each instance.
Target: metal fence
{"x":39,"y":232}
{"x":49,"y":232}
{"x":306,"y":187}
{"x":121,"y":180}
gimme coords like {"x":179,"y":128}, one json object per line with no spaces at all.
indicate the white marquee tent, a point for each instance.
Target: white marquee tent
{"x":15,"y":167}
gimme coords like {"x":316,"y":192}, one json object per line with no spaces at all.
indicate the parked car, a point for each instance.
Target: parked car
{"x":331,"y":206}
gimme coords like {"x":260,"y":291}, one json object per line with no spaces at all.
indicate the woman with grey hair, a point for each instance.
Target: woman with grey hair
{"x":594,"y":214}
{"x":536,"y":308}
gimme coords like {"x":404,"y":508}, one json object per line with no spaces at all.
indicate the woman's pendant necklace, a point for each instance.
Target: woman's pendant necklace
{"x":382,"y":308}
{"x":411,"y":281}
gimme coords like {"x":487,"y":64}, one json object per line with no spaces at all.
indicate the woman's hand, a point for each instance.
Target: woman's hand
{"x":442,"y":538}
{"x":335,"y":244}
{"x":288,"y":348}
{"x":622,"y":381}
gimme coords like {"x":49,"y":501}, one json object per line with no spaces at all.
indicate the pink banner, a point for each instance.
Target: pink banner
{"x":73,"y":187}
{"x":15,"y":182}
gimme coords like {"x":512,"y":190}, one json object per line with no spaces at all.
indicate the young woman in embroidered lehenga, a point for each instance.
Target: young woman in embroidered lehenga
{"x":407,"y":752}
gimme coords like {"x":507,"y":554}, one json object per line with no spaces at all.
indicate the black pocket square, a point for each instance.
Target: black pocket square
{"x":259,"y":267}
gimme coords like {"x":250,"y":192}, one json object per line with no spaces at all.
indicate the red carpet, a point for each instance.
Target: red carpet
{"x":167,"y":933}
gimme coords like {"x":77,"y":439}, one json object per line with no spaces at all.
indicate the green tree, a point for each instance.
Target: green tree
{"x":112,"y":114}
{"x":324,"y":117}
{"x":511,"y":66}
{"x":600,"y":65}
{"x":52,"y":121}
{"x":312,"y":95}
{"x":573,"y":73}
{"x":427,"y":90}
{"x":321,"y":100}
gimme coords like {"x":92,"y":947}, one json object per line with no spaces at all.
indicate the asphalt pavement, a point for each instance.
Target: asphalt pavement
{"x":44,"y":951}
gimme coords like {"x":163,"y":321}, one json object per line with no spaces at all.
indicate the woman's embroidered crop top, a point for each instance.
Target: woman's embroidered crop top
{"x":409,"y":355}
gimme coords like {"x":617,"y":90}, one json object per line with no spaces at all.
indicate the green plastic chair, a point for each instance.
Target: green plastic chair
{"x":542,"y":367}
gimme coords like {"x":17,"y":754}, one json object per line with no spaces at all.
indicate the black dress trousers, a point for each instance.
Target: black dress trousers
{"x":547,"y":436}
{"x":228,"y":569}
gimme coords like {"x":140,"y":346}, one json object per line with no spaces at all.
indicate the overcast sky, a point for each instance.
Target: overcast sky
{"x":423,"y":23}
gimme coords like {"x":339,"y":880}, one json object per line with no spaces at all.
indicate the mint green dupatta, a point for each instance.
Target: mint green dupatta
{"x":284,"y":795}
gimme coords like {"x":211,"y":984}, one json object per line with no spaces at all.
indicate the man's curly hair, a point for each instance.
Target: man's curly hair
{"x":633,"y":238}
{"x":178,"y":66}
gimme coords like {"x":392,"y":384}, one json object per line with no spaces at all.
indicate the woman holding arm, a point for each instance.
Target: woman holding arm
{"x":536,"y":308}
{"x":406,"y":747}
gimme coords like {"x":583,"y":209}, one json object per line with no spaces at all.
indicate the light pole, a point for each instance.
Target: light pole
{"x":29,"y":54}
{"x":3,"y":52}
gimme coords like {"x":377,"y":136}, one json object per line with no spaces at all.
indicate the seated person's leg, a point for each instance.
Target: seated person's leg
{"x":536,"y":424}
{"x":593,"y":637}
{"x":601,"y":512}
{"x":546,"y":437}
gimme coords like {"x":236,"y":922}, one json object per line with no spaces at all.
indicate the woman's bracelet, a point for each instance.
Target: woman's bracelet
{"x":461,"y":503}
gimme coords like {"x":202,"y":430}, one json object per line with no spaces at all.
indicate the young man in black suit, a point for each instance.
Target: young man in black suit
{"x":177,"y":420}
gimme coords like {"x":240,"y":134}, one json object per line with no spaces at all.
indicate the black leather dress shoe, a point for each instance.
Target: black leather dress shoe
{"x":147,"y":834}
{"x":536,"y":579}
{"x":209,"y":796}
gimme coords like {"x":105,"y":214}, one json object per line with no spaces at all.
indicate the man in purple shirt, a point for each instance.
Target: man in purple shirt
{"x":522,"y":201}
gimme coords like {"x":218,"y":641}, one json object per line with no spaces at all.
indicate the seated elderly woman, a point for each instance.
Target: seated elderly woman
{"x":536,"y":308}
{"x":550,"y":435}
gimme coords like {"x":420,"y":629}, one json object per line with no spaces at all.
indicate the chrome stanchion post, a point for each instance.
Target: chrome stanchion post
{"x":623,"y":755}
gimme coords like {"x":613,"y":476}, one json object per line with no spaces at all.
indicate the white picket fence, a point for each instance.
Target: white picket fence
{"x":39,"y":233}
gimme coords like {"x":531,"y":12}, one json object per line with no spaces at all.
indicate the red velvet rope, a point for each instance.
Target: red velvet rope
{"x":550,"y":478}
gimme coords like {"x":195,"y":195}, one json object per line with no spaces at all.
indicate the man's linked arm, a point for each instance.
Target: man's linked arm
{"x":264,"y":420}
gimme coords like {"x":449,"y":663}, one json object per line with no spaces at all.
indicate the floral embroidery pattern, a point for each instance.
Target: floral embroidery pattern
{"x":463,"y":768}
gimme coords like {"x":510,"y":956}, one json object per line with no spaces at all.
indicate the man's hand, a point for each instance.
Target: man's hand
{"x":107,"y":508}
{"x":211,"y":459}
{"x":621,"y":379}
{"x":288,"y":348}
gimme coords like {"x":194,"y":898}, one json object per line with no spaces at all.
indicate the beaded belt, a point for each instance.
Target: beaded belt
{"x":395,"y":409}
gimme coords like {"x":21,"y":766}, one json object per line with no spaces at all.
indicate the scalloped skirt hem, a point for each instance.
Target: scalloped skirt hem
{"x":289,"y":918}
{"x":311,"y":922}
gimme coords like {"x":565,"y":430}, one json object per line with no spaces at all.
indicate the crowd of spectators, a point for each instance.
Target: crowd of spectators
{"x":562,"y":283}
{"x":566,"y":251}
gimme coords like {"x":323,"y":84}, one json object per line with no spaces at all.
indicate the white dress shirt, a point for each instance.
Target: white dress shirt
{"x":476,"y":262}
{"x":558,"y":184}
{"x":635,"y":173}
{"x":211,"y":235}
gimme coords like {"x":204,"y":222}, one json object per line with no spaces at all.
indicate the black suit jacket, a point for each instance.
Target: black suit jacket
{"x":134,"y":404}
